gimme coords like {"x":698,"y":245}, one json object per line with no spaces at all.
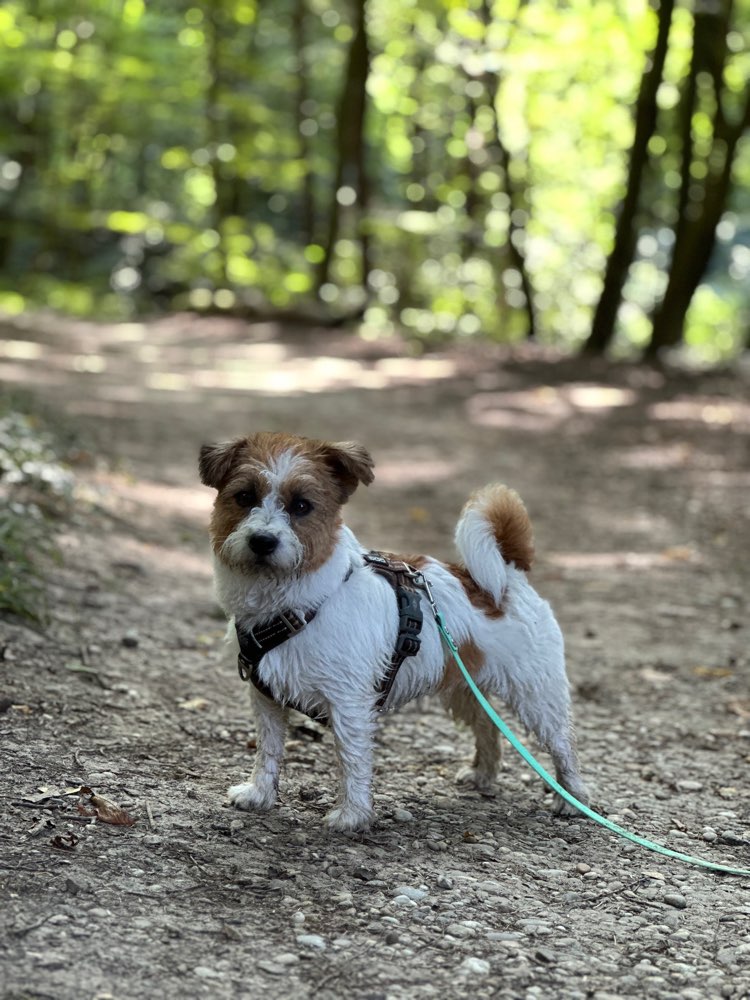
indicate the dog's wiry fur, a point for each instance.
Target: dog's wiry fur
{"x":289,"y":491}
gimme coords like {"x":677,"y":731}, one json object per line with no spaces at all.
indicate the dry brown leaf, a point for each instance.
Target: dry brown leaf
{"x":103,"y":809}
{"x":712,"y":672}
{"x":739,"y":706}
{"x":110,"y":812}
{"x":193,"y":704}
{"x":64,"y":841}
{"x":678,"y":553}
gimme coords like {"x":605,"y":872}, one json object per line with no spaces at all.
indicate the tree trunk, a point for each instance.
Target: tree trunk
{"x":618,"y":263}
{"x":350,"y":147}
{"x":299,"y":16}
{"x":518,"y":201}
{"x":693,"y":251}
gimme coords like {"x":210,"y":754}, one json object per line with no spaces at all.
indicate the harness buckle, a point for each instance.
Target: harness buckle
{"x":293,"y":622}
{"x":244,"y":667}
{"x":408,"y":645}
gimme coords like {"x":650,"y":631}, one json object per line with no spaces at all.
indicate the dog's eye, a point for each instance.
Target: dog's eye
{"x":299,"y":507}
{"x":245,"y":498}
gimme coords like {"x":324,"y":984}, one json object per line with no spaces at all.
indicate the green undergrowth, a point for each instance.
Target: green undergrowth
{"x":35,"y":490}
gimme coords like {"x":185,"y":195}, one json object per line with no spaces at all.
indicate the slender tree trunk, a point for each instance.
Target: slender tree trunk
{"x":350,"y":146}
{"x":517,"y":198}
{"x":299,"y":17}
{"x":223,"y":190}
{"x":693,"y":251}
{"x":618,"y":263}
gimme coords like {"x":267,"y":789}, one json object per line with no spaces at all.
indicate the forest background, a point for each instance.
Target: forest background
{"x":573,"y":172}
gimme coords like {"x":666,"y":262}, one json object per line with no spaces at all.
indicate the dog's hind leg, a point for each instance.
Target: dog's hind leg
{"x":482,"y":773}
{"x":543,"y":706}
{"x":262,"y":789}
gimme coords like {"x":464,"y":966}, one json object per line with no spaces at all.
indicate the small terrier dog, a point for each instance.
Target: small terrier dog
{"x":280,"y":546}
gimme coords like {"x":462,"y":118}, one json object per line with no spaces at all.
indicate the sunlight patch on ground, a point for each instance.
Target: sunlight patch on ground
{"x":546,"y":406}
{"x":716,"y":412}
{"x":184,"y":502}
{"x":410,"y":471}
{"x":163,"y":558}
{"x":587,"y":561}
{"x":20,"y":350}
{"x":668,"y":456}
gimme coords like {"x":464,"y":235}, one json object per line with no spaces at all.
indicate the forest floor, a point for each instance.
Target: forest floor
{"x":637,"y":482}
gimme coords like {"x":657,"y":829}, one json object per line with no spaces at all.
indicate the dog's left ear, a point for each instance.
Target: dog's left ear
{"x":351,"y":464}
{"x":216,"y":460}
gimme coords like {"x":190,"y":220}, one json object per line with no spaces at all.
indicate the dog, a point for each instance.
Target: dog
{"x":281,"y":551}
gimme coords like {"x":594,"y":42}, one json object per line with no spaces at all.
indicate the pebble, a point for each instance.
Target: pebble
{"x":675,"y":899}
{"x":545,"y":955}
{"x":582,"y":868}
{"x":311,"y":941}
{"x":690,"y":786}
{"x":461,"y":930}
{"x":130,"y":640}
{"x":402,"y":815}
{"x":403,"y":901}
{"x":285,"y":958}
{"x":410,"y":892}
{"x":474,"y":967}
{"x":204,"y":972}
{"x":443,"y":882}
{"x":298,"y":918}
{"x":709,"y":834}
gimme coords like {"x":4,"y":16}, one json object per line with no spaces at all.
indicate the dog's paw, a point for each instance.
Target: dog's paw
{"x":349,"y":818}
{"x":251,"y":796}
{"x":561,"y":807}
{"x":483,"y":781}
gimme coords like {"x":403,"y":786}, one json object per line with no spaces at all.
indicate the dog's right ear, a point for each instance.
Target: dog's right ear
{"x":216,"y":460}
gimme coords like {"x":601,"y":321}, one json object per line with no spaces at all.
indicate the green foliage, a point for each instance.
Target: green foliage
{"x":32,"y":482}
{"x":184,"y":154}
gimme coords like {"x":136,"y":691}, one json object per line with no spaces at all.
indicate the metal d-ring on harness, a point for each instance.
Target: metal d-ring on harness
{"x":256,"y":642}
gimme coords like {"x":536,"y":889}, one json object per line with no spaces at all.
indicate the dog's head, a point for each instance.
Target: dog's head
{"x":278,"y":507}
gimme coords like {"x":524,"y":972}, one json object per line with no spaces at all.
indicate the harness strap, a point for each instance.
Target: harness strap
{"x":256,"y":642}
{"x":400,"y":575}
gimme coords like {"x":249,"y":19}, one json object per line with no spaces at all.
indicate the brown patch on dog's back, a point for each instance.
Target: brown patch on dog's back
{"x":473,"y":659}
{"x":481,"y":600}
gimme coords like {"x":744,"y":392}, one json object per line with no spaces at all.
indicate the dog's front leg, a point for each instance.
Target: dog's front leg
{"x":353,"y":734}
{"x":261,"y":791}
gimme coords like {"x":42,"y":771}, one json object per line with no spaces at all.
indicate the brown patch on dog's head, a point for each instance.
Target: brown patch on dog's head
{"x":290,"y":483}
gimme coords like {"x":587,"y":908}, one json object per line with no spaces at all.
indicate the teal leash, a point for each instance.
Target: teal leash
{"x":547,"y":777}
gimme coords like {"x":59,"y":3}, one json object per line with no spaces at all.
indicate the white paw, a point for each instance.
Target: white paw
{"x":252,"y":796}
{"x":349,"y":818}
{"x":481,"y":780}
{"x":561,"y":807}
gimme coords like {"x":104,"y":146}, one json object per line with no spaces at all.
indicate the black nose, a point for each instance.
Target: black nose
{"x":262,"y":544}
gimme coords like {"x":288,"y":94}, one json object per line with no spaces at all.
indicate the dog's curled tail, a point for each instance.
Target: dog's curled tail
{"x":493,"y":530}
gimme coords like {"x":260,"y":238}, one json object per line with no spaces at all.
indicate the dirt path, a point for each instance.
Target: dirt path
{"x":637,"y":485}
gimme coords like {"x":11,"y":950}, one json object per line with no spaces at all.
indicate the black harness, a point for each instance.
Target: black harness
{"x":257,"y":641}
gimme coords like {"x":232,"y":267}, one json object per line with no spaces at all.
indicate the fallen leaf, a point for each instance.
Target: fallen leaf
{"x":739,"y":706}
{"x":655,"y":875}
{"x":712,"y":672}
{"x":104,"y":810}
{"x":110,"y":812}
{"x":193,"y":704}
{"x":728,"y":792}
{"x":679,"y":553}
{"x":64,"y":841}
{"x":420,"y":515}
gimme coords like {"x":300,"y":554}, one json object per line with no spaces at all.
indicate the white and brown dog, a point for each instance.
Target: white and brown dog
{"x":280,"y":546}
